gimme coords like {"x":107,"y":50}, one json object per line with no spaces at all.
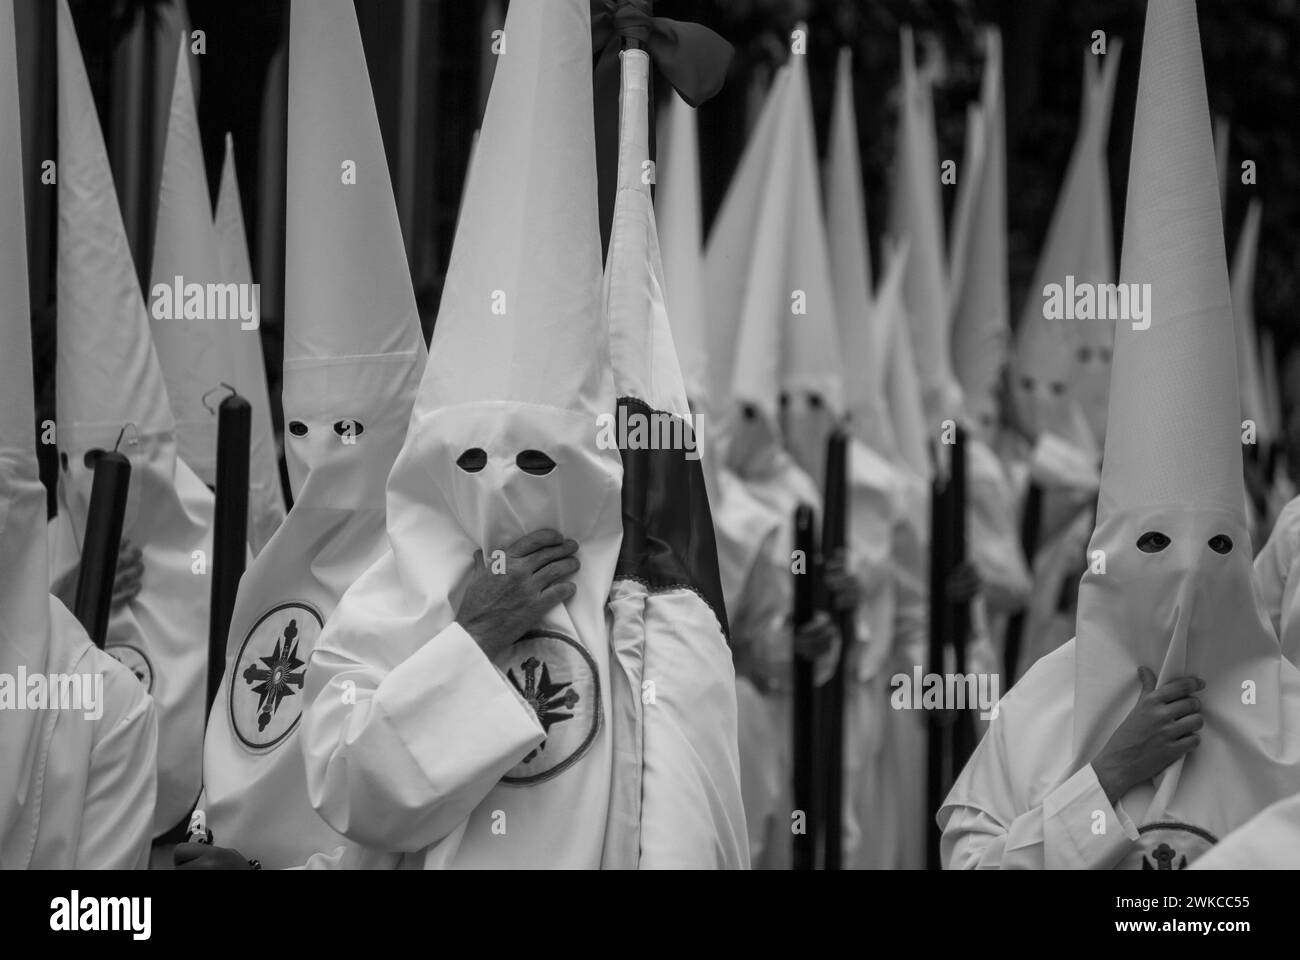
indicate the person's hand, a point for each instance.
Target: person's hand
{"x":816,"y":638}
{"x":503,"y":601}
{"x":963,"y":583}
{"x":1159,"y":729}
{"x":842,"y":590}
{"x":204,"y":856}
{"x":130,"y":573}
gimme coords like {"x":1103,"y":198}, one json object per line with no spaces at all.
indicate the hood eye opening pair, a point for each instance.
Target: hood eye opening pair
{"x":529,"y":461}
{"x":1153,"y":541}
{"x":344,"y":428}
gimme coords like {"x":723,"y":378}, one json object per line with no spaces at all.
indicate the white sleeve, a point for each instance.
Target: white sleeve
{"x":397,"y":759}
{"x":117,"y":819}
{"x":1075,"y":827}
{"x":1273,"y":564}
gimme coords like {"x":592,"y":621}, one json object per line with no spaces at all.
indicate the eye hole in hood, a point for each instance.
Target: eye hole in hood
{"x":1153,"y":541}
{"x":1221,"y":543}
{"x":347,"y":427}
{"x":298,"y":428}
{"x":472,"y":460}
{"x":535,"y":462}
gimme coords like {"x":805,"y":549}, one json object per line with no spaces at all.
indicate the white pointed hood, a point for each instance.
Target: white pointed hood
{"x":864,"y":331}
{"x":351,"y":337}
{"x":503,"y":441}
{"x":193,"y":345}
{"x":980,"y":315}
{"x":1254,"y":402}
{"x":786,"y":346}
{"x":1060,"y":362}
{"x":1176,"y":594}
{"x":265,"y":495}
{"x":730,"y":244}
{"x":25,"y":622}
{"x":916,"y":214}
{"x":110,"y":387}
{"x":357,"y":363}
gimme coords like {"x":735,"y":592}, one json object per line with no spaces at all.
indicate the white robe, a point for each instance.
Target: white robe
{"x":1277,"y":580}
{"x":1269,"y":841}
{"x":1022,"y":801}
{"x":92,"y":803}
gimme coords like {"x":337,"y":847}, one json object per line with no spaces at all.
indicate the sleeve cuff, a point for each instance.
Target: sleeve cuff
{"x":1081,"y":827}
{"x":456,"y":712}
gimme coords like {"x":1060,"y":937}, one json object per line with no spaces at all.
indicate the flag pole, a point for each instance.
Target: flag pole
{"x":229,"y":530}
{"x":805,"y":601}
{"x":99,"y":548}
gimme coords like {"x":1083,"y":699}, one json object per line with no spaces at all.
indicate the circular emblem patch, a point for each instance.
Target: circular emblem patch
{"x":1168,"y":845}
{"x":558,"y":679}
{"x":266,"y":683}
{"x":133,"y":659}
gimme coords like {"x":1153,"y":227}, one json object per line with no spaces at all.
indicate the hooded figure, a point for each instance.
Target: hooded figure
{"x":881,"y":490}
{"x":1168,"y":586}
{"x":265,"y":495}
{"x":354,"y":353}
{"x":676,"y":775}
{"x":76,"y":784}
{"x":745,"y":531}
{"x":749,"y":264}
{"x":415,"y":741}
{"x":111,"y":395}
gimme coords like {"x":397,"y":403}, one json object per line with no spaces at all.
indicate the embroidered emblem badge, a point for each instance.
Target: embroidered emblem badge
{"x":267,"y":680}
{"x":557,"y":678}
{"x":1168,"y":845}
{"x":133,"y":659}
